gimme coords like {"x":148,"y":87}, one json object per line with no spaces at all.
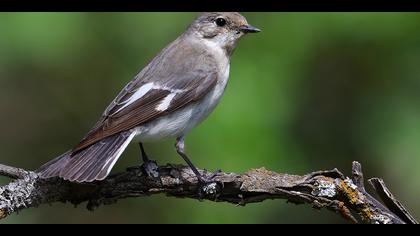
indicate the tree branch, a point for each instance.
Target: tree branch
{"x":12,"y":172}
{"x":323,"y":189}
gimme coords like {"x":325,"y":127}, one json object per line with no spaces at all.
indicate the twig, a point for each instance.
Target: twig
{"x":390,"y":201}
{"x":12,"y":172}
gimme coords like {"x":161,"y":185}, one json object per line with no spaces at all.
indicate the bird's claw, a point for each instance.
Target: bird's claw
{"x":215,"y":174}
{"x":208,"y":187}
{"x":150,"y":168}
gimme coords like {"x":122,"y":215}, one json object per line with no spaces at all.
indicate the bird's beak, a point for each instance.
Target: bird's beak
{"x":249,"y":29}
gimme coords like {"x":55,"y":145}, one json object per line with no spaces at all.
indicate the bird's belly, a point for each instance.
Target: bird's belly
{"x":165,"y":127}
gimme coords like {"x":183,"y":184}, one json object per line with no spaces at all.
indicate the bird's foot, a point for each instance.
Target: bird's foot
{"x":208,"y":187}
{"x":213,"y":175}
{"x":150,"y":168}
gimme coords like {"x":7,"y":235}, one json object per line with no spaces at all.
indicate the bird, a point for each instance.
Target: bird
{"x":170,"y":96}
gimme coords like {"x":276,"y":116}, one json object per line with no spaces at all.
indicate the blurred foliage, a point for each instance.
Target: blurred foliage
{"x":312,"y":91}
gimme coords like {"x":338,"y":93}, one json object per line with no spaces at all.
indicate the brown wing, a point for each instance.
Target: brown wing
{"x":121,"y":117}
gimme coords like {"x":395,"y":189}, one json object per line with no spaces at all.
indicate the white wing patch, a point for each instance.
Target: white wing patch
{"x":143,"y":90}
{"x":166,"y":102}
{"x":137,"y":95}
{"x":168,"y":89}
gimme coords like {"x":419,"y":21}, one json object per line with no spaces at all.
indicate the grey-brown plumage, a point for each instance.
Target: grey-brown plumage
{"x":169,"y":97}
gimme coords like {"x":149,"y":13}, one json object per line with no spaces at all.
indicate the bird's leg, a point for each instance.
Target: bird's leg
{"x":149,"y":166}
{"x":180,"y":148}
{"x":207,"y":185}
{"x":143,"y":153}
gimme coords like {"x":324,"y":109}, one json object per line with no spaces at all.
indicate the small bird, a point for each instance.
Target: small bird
{"x":175,"y":92}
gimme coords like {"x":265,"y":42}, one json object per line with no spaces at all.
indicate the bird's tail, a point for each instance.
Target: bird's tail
{"x":92,"y":163}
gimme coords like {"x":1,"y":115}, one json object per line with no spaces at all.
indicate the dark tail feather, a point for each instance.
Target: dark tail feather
{"x":92,"y":163}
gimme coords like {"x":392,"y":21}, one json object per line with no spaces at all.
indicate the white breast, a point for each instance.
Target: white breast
{"x":224,"y":68}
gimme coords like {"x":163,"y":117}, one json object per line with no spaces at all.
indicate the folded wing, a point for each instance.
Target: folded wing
{"x":146,"y":102}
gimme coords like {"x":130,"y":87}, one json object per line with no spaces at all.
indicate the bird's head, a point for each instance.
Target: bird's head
{"x":221,"y":29}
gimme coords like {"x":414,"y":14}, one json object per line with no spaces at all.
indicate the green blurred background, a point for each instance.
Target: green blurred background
{"x":312,"y":91}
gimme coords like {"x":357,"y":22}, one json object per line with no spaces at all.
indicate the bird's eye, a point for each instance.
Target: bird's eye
{"x":220,"y":22}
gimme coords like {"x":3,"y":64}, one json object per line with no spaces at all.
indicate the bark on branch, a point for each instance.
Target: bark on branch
{"x":323,"y":189}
